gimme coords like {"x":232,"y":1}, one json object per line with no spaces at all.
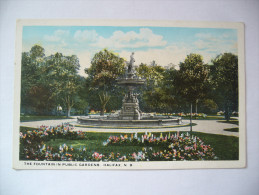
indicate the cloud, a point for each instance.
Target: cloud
{"x":131,"y":39}
{"x":163,"y":57}
{"x":208,"y":43}
{"x":203,"y":35}
{"x":178,"y":52}
{"x":147,"y":45}
{"x":85,"y":62}
{"x":217,"y":46}
{"x":86,"y":35}
{"x":56,"y":36}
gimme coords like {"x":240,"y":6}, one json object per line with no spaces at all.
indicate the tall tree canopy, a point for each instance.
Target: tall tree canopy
{"x":35,"y":94}
{"x":105,"y":68}
{"x":225,"y":80}
{"x":172,"y":102}
{"x":193,"y":79}
{"x":48,"y":81}
{"x":63,"y":78}
{"x":155,"y":96}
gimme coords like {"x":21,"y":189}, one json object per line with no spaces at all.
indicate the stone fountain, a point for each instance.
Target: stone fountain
{"x":130,"y":114}
{"x":130,"y":104}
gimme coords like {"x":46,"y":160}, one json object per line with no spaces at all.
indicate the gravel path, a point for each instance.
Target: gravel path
{"x":205,"y":126}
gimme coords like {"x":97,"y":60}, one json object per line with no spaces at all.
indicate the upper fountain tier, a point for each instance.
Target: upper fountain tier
{"x":131,"y":79}
{"x":131,"y":82}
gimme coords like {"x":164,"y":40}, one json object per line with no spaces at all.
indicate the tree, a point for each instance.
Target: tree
{"x":27,"y":81}
{"x":63,"y":79}
{"x":192,"y":80}
{"x":209,"y":106}
{"x":172,"y":102}
{"x":159,"y":91}
{"x":82,"y":105}
{"x":105,"y":68}
{"x":224,"y":74}
{"x":37,"y":52}
{"x":49,"y":81}
{"x":153,"y":94}
{"x":35,"y":94}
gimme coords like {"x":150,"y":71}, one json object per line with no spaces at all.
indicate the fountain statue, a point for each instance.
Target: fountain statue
{"x":131,"y":63}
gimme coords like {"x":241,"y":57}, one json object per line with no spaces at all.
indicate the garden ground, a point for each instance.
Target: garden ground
{"x":212,"y":132}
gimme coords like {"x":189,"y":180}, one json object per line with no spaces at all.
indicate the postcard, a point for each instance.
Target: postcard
{"x":129,"y":94}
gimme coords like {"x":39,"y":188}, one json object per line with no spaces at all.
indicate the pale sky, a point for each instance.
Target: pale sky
{"x":165,"y":45}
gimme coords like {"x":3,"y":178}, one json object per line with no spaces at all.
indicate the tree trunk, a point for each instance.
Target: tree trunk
{"x":102,"y":111}
{"x":196,"y":107}
{"x":227,"y":113}
{"x":191,"y":119}
{"x":68,"y":111}
{"x":69,"y":102}
{"x":104,"y":98}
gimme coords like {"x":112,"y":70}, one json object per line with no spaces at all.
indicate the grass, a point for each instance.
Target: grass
{"x":95,"y":144}
{"x":25,"y":129}
{"x":225,"y":147}
{"x":27,"y":118}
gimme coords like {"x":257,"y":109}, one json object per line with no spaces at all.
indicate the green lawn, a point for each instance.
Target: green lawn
{"x":95,"y":145}
{"x":40,"y":118}
{"x":24,"y":129}
{"x":225,"y":147}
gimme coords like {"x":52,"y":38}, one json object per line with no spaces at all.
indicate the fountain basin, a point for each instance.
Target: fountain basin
{"x":114,"y":122}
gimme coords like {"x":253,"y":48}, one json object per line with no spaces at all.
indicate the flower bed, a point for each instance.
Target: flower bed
{"x":45,"y":133}
{"x":32,"y":142}
{"x":166,"y":147}
{"x":175,"y":146}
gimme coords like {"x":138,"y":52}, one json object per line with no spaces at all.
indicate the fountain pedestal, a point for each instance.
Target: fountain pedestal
{"x":130,"y":105}
{"x":130,"y":111}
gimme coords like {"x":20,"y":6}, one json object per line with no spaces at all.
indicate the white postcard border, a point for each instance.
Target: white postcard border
{"x":241,"y":163}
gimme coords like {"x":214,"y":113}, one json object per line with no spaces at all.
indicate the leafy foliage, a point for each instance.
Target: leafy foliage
{"x":105,"y":68}
{"x":35,"y":95}
{"x":155,"y":94}
{"x":48,"y":81}
{"x":63,"y":79}
{"x":225,"y":79}
{"x":192,"y":78}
